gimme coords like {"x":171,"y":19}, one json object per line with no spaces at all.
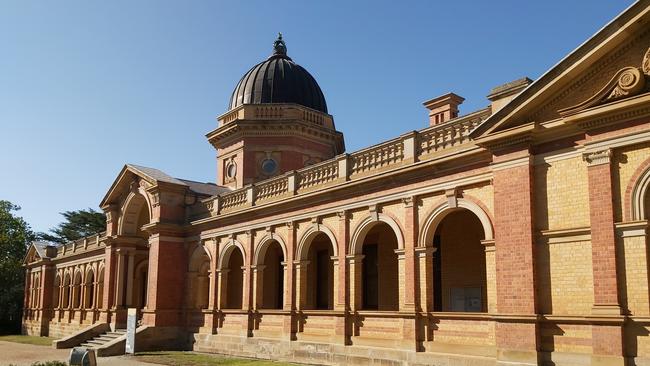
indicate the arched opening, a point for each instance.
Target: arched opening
{"x":320,"y":274}
{"x":199,"y":277}
{"x":234,"y":274}
{"x":76,"y":291}
{"x":380,"y":272}
{"x":135,"y":215}
{"x":459,"y":278}
{"x":36,"y":290}
{"x":272,"y":277}
{"x":89,"y":296}
{"x":56,"y":293}
{"x":140,"y":284}
{"x":66,"y":291}
{"x":100,"y":289}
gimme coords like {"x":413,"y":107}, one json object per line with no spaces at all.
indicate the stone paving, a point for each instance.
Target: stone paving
{"x":25,"y":354}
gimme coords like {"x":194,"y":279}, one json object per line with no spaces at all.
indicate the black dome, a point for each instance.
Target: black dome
{"x":278,"y":80}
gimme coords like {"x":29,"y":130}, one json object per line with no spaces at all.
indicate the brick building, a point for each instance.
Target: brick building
{"x":516,"y":234}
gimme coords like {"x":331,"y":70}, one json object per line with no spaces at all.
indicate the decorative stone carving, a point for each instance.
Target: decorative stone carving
{"x":627,"y":82}
{"x":597,"y":157}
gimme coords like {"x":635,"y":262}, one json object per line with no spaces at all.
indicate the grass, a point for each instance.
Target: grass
{"x":17,"y":338}
{"x":174,"y":358}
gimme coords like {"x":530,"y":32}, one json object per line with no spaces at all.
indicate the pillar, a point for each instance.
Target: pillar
{"x":119,"y":287}
{"x":607,"y":340}
{"x":517,"y":335}
{"x":167,"y":268}
{"x":301,"y":284}
{"x":356,"y":283}
{"x":110,"y":272}
{"x":129,"y":278}
{"x":258,"y":286}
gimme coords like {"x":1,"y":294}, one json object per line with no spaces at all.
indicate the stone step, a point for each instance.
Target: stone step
{"x":105,"y":338}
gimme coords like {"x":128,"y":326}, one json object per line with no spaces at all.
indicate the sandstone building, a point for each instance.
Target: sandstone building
{"x":516,"y":234}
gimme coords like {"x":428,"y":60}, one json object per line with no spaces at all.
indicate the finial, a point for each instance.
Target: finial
{"x":279,"y":47}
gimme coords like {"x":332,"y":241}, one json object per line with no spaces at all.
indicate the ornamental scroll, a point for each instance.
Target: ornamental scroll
{"x":627,"y":82}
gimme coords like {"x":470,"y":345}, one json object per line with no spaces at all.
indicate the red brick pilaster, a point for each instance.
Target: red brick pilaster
{"x":167,"y":268}
{"x":516,"y":328}
{"x":607,"y":339}
{"x":290,"y":300}
{"x":343,"y":324}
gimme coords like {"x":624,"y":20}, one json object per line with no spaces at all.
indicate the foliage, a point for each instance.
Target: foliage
{"x":77,"y":225}
{"x":50,"y":363}
{"x":15,"y":236}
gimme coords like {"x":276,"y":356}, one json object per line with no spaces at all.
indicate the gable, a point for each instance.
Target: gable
{"x":580,"y":76}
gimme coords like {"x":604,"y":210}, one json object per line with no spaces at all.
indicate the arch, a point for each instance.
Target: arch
{"x":436,"y":216}
{"x":57,"y":291}
{"x":140,"y":278}
{"x":196,"y":258}
{"x":224,"y":256}
{"x":640,"y":189}
{"x":130,"y":212}
{"x":89,"y":283}
{"x":263,"y":245}
{"x":77,"y":280}
{"x":67,"y":281}
{"x":309,"y":235}
{"x":100,"y":287}
{"x":356,"y":243}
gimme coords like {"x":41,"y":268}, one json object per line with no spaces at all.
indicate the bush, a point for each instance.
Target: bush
{"x":50,"y":363}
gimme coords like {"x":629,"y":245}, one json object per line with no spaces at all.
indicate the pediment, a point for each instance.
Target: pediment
{"x":132,"y":177}
{"x":32,"y":255}
{"x":610,"y":66}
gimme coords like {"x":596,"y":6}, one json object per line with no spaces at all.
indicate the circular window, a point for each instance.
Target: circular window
{"x":269,"y":166}
{"x":231,"y":170}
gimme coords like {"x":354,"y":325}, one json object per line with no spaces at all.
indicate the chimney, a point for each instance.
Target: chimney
{"x":443,"y":108}
{"x":502,"y":94}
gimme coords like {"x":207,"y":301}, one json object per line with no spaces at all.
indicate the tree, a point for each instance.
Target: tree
{"x":77,"y":225}
{"x":15,"y":237}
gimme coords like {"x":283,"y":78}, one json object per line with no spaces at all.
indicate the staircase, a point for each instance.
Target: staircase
{"x":103,"y":338}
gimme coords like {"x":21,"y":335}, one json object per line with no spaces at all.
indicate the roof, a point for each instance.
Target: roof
{"x":278,"y":80}
{"x":156,"y":176}
{"x":588,"y":53}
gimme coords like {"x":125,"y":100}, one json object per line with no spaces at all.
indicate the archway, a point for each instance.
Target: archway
{"x":199,"y":277}
{"x":89,"y":290}
{"x":76,"y":291}
{"x":270,"y":275}
{"x":377,"y":241}
{"x":320,"y":274}
{"x":459,"y":265}
{"x":66,"y":291}
{"x":231,"y":277}
{"x":140,"y":284}
{"x":56,"y":293}
{"x":100,"y":289}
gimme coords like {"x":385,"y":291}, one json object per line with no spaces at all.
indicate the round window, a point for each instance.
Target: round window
{"x":231,"y":170}
{"x":269,"y":166}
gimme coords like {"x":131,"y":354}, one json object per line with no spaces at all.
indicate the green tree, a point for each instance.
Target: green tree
{"x":15,"y":236}
{"x":77,"y":225}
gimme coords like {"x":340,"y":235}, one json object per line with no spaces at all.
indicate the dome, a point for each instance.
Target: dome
{"x":278,"y":80}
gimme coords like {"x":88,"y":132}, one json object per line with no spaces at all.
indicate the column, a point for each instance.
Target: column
{"x":167,"y":269}
{"x":343,"y":239}
{"x":129,"y":278}
{"x":108,"y":289}
{"x":410,"y":242}
{"x":607,"y":340}
{"x":425,"y":277}
{"x":356,"y":284}
{"x":222,"y":288}
{"x":258,"y":286}
{"x":301,"y":283}
{"x":516,"y":336}
{"x":213,"y":302}
{"x":119,"y":288}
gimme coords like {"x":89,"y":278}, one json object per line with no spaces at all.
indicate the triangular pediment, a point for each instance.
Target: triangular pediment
{"x":605,"y":69}
{"x":38,"y":251}
{"x":131,"y":176}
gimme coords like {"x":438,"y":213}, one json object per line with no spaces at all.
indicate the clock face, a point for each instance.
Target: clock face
{"x":269,"y":166}
{"x":231,"y":170}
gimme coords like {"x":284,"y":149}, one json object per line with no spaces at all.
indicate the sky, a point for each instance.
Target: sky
{"x":88,"y":86}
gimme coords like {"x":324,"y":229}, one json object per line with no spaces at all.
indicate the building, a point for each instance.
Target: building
{"x":515,"y":234}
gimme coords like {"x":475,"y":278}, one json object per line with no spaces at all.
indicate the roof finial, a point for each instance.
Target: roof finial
{"x":279,"y":47}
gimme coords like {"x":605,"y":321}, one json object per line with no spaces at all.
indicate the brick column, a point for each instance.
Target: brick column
{"x":167,"y":268}
{"x":410,"y":242}
{"x":290,"y":326}
{"x":608,"y":342}
{"x":343,"y":324}
{"x":516,"y":328}
{"x":213,"y":292}
{"x":110,"y":271}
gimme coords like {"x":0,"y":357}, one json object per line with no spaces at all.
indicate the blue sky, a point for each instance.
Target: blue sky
{"x":87,"y":86}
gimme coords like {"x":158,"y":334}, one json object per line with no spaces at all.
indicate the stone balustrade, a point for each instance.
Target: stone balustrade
{"x":406,"y":149}
{"x":81,"y":245}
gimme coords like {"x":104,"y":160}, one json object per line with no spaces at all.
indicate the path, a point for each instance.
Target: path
{"x":25,"y":354}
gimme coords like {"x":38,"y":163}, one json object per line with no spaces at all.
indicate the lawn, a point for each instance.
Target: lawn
{"x":200,"y":359}
{"x":17,"y":338}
